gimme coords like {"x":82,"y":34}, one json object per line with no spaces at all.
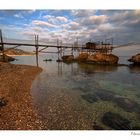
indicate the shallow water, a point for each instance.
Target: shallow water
{"x":76,"y":96}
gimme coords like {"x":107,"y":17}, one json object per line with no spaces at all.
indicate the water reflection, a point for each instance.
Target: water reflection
{"x":134,"y":68}
{"x":90,"y":68}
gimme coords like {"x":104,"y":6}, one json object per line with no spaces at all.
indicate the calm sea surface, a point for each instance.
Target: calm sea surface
{"x":85,"y":96}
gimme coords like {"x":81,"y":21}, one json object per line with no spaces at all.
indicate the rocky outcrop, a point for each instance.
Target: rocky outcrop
{"x":82,"y":56}
{"x":98,"y":58}
{"x":135,"y":59}
{"x":101,"y":58}
{"x":7,"y":58}
{"x":68,"y":58}
{"x":17,"y":52}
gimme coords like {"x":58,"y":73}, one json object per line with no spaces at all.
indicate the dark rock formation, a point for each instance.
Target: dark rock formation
{"x":127,"y":104}
{"x":105,"y":95}
{"x":115,"y":121}
{"x":135,"y":59}
{"x":91,"y":98}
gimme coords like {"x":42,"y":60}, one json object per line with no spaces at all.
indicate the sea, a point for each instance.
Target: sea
{"x":79,"y":96}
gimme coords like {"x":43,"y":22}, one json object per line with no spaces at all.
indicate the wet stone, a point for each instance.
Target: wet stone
{"x":115,"y":121}
{"x":126,"y":104}
{"x":3,"y":101}
{"x":105,"y":95}
{"x":91,"y":98}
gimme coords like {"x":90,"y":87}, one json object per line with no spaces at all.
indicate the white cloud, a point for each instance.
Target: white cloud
{"x":43,"y":23}
{"x":93,"y":20}
{"x":74,"y":25}
{"x":82,"y":13}
{"x":62,"y":19}
{"x":18,"y":15}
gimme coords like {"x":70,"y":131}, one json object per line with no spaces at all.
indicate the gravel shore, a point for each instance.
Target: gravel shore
{"x":16,"y":109}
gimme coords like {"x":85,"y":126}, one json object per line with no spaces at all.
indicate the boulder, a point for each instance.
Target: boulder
{"x":82,"y":56}
{"x":68,"y":58}
{"x":135,"y":59}
{"x":101,"y":58}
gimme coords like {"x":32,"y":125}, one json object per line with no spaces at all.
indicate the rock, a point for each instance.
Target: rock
{"x":91,"y":98}
{"x":127,"y":104}
{"x":135,"y":59}
{"x":82,"y":56}
{"x":105,"y":95}
{"x":115,"y":121}
{"x":17,"y":52}
{"x":101,"y":58}
{"x":68,"y":58}
{"x":47,"y":60}
{"x":7,"y":58}
{"x":3,"y":101}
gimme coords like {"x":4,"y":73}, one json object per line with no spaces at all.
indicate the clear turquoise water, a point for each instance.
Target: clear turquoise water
{"x":61,"y":94}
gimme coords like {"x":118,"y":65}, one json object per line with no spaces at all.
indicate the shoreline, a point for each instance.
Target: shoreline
{"x":20,"y":55}
{"x":16,"y":107}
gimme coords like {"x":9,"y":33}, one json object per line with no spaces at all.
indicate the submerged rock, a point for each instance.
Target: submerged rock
{"x":101,"y":58}
{"x":105,"y":95}
{"x":98,"y":95}
{"x":135,"y":59}
{"x":127,"y":104}
{"x":115,"y":121}
{"x":91,"y":98}
{"x":3,"y":101}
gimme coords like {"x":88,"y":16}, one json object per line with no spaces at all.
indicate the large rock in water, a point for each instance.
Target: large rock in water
{"x":68,"y":58}
{"x":101,"y":58}
{"x":135,"y":59}
{"x":82,"y":56}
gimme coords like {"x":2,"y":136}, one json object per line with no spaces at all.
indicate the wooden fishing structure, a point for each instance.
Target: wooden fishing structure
{"x":89,"y":47}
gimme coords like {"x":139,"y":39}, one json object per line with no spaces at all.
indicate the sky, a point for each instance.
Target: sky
{"x":68,"y":25}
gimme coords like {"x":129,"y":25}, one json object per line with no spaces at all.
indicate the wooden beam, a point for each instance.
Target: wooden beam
{"x":2,"y":46}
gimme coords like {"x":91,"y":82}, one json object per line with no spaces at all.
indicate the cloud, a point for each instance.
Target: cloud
{"x":18,"y":15}
{"x":62,"y":19}
{"x":43,"y":23}
{"x":56,"y":19}
{"x":82,"y":13}
{"x":94,"y":20}
{"x":74,"y":26}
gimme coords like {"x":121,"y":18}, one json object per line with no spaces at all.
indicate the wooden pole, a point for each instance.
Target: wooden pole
{"x":2,"y":46}
{"x":36,"y":46}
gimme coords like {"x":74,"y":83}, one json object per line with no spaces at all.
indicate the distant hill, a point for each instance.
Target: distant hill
{"x":17,"y":52}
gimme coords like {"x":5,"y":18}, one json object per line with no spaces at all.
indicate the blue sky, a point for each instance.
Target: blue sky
{"x":67,"y":25}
